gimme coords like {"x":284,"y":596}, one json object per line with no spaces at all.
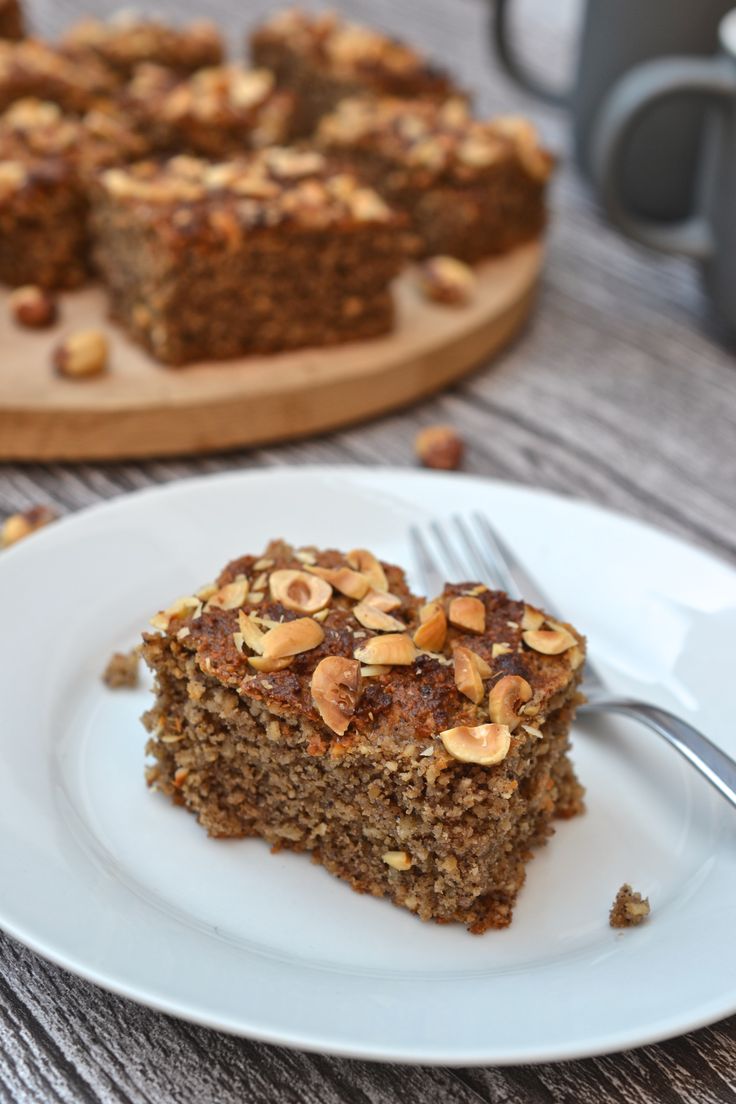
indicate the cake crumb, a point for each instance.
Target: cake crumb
{"x":628,"y":909}
{"x":122,"y":670}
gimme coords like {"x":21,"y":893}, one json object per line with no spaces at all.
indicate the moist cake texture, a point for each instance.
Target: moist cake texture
{"x":471,"y":188}
{"x":268,"y":252}
{"x":417,"y":751}
{"x":322,"y":59}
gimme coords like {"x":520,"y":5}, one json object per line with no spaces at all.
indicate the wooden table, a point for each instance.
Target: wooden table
{"x":619,"y":392}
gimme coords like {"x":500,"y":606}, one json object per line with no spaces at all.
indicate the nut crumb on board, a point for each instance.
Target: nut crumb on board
{"x":122,"y":670}
{"x":628,"y":909}
{"x":439,"y":446}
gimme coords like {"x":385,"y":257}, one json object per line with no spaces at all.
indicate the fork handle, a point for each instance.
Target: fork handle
{"x":713,"y":764}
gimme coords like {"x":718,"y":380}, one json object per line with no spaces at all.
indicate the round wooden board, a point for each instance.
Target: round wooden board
{"x":140,"y":408}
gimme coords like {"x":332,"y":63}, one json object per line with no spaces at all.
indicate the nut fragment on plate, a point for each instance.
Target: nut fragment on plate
{"x":628,"y":909}
{"x":33,"y":307}
{"x":484,"y":744}
{"x":296,"y":590}
{"x":335,"y":688}
{"x":21,"y":525}
{"x":81,"y":355}
{"x":505,"y":699}
{"x":439,"y":447}
{"x":447,"y":280}
{"x":122,"y":670}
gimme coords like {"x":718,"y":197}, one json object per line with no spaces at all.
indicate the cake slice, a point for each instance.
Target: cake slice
{"x":418,"y":751}
{"x":471,"y":188}
{"x":130,"y":38}
{"x":268,"y":252}
{"x":323,"y":58}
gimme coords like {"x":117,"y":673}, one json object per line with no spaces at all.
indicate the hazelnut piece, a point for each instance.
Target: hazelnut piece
{"x":439,"y":447}
{"x":382,"y":600}
{"x":531,"y":618}
{"x":371,"y":617}
{"x":292,"y":637}
{"x":485,"y":744}
{"x":393,"y":650}
{"x":21,"y":525}
{"x":33,"y":307}
{"x":467,"y":676}
{"x":447,"y":280}
{"x":250,"y":634}
{"x":296,"y":590}
{"x":182,"y":607}
{"x":335,"y":691}
{"x":549,"y":641}
{"x":81,"y":355}
{"x":268,"y":666}
{"x":505,"y":698}
{"x":230,"y":596}
{"x":366,"y":563}
{"x":430,"y":636}
{"x":468,"y":613}
{"x":352,"y":584}
{"x":398,"y":860}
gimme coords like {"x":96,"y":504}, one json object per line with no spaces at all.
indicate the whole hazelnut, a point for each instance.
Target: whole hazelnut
{"x":21,"y":525}
{"x":33,"y":307}
{"x":81,"y":355}
{"x":447,"y":280}
{"x":439,"y":447}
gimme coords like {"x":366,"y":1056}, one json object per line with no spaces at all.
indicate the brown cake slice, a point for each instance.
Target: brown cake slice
{"x":472,"y":189}
{"x":417,"y":751}
{"x":215,"y":113}
{"x":12,"y":23}
{"x":268,"y":252}
{"x":34,"y":68}
{"x":47,"y":159}
{"x":322,"y":59}
{"x":130,"y":38}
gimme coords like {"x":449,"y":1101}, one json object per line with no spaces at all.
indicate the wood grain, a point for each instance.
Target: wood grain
{"x":140,"y":408}
{"x":619,"y":392}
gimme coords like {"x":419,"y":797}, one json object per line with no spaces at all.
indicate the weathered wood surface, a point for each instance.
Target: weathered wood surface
{"x":618,"y":392}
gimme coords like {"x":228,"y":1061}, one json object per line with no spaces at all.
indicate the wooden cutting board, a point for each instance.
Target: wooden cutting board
{"x":141,"y":408}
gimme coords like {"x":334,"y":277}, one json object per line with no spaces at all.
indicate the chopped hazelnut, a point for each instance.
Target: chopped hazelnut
{"x":21,"y":525}
{"x":398,"y":860}
{"x":505,"y":699}
{"x":335,"y":691}
{"x":468,"y":613}
{"x":485,"y":744}
{"x":447,"y":280}
{"x":33,"y":307}
{"x":292,"y":638}
{"x":81,"y":355}
{"x":393,"y":649}
{"x":549,"y":641}
{"x":439,"y":447}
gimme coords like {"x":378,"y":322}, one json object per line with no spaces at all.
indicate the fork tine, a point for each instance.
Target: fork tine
{"x":481,"y":565}
{"x":458,"y":571}
{"x":520,"y":582}
{"x":429,"y":568}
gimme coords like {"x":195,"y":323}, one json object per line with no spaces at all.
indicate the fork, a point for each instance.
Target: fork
{"x":486,"y":556}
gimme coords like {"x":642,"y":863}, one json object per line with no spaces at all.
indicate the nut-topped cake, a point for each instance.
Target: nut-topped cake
{"x":47,"y":159}
{"x":268,"y":252}
{"x":34,"y":68}
{"x":417,"y":750}
{"x":215,"y":113}
{"x":130,"y":38}
{"x":12,"y":23}
{"x":471,"y":188}
{"x":322,"y":59}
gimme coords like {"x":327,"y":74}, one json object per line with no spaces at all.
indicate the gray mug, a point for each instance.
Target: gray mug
{"x":708,"y":233}
{"x":616,"y":35}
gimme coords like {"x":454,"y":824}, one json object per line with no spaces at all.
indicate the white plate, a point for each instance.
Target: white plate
{"x":111,"y":881}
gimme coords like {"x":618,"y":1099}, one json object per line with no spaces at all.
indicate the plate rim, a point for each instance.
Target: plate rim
{"x":702,"y":1015}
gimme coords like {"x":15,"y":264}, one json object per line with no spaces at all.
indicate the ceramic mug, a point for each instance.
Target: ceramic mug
{"x":616,"y":35}
{"x":708,"y":233}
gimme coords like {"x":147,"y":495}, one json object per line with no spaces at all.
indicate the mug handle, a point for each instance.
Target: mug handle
{"x":630,"y":99}
{"x":512,"y":63}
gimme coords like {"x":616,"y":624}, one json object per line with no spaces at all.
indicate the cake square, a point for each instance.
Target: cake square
{"x":217,"y":112}
{"x":323,"y":58}
{"x":471,"y":188}
{"x":11,"y":19}
{"x":34,"y":68}
{"x":47,"y":159}
{"x":270,"y":252}
{"x":417,"y":751}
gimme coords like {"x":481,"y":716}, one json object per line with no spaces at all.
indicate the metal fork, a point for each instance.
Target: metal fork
{"x":479,"y":553}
